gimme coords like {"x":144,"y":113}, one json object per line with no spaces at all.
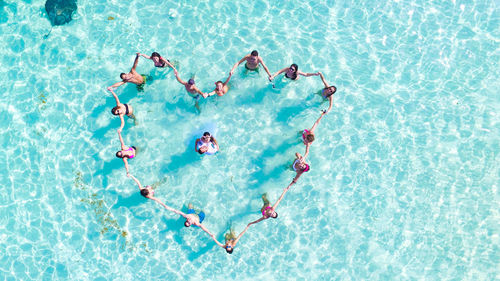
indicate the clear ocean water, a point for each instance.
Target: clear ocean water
{"x":405,"y":174}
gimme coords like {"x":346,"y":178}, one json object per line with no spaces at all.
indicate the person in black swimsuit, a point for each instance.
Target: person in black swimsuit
{"x":292,"y":72}
{"x":121,"y":109}
{"x":158,"y":60}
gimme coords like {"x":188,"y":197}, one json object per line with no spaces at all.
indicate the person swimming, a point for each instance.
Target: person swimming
{"x":191,"y":88}
{"x":126,"y":152}
{"x":300,"y":166}
{"x":269,"y":211}
{"x":146,"y":191}
{"x":220,"y":88}
{"x":308,"y":135}
{"x":231,"y":240}
{"x":121,"y":109}
{"x":207,"y":144}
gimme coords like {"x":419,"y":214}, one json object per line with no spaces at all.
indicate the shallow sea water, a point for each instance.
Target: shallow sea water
{"x":404,"y":178}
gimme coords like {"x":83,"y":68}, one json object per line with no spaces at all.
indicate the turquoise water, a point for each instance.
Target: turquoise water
{"x":404,"y":178}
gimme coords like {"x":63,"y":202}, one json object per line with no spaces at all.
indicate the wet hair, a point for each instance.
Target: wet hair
{"x":333,"y":92}
{"x":119,"y":154}
{"x":121,"y":75}
{"x":229,"y":251}
{"x":145,"y":192}
{"x":219,"y":82}
{"x":113,"y":110}
{"x":155,"y":54}
{"x":310,"y":137}
{"x":274,"y":217}
{"x":255,"y":53}
{"x":206,"y":134}
{"x":187,"y":224}
{"x":191,"y":81}
{"x":295,"y":66}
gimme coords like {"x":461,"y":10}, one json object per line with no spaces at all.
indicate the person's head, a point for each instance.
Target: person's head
{"x":294,"y":68}
{"x":229,"y":249}
{"x":145,"y":192}
{"x":115,"y":110}
{"x":206,"y":136}
{"x":119,"y":154}
{"x":310,"y":137}
{"x":155,"y":57}
{"x":191,"y":81}
{"x":219,"y":85}
{"x":330,"y":91}
{"x":123,"y":76}
{"x":254,"y":53}
{"x":271,"y":213}
{"x":187,"y":224}
{"x":202,"y":149}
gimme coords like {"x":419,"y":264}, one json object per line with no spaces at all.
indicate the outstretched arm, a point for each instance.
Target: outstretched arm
{"x":169,"y":208}
{"x":278,"y":73}
{"x":122,"y":123}
{"x":116,"y":85}
{"x":256,"y":221}
{"x":196,"y":144}
{"x":330,"y":100}
{"x":126,"y":165}
{"x":297,"y":177}
{"x":265,"y":67}
{"x":145,"y":56}
{"x":307,"y":74}
{"x":317,"y":122}
{"x":215,"y":142}
{"x":241,"y":234}
{"x":205,"y":229}
{"x":136,"y":61}
{"x":121,"y":140}
{"x":227,"y":80}
{"x":200,"y":92}
{"x":238,"y":63}
{"x":217,"y":241}
{"x":307,"y":150}
{"x":114,"y":95}
{"x":323,"y":79}
{"x":166,"y":62}
{"x":137,"y":181}
{"x":177,"y":77}
{"x":282,"y":195}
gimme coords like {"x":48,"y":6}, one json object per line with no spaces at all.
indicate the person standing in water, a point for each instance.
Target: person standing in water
{"x":252,"y":63}
{"x":158,"y":60}
{"x":327,"y":92}
{"x":132,"y":76}
{"x":292,"y":72}
{"x":191,"y":88}
{"x":220,"y":88}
